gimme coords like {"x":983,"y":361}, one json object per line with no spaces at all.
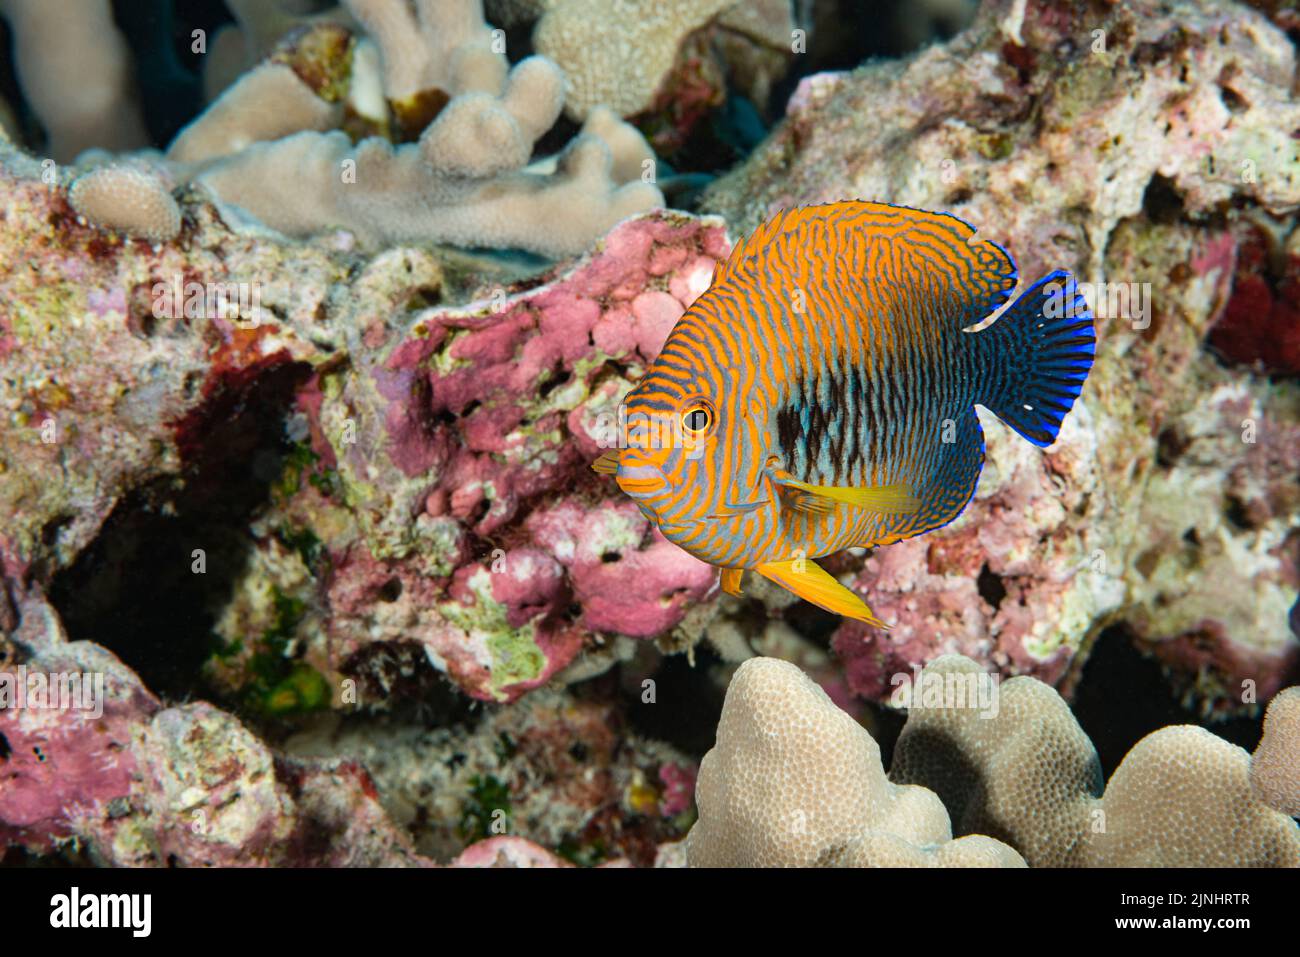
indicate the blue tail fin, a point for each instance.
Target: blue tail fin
{"x":1036,"y":357}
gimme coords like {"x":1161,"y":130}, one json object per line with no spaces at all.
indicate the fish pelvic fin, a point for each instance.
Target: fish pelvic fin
{"x":813,"y":583}
{"x":606,"y":463}
{"x":731,"y":580}
{"x":1038,"y":355}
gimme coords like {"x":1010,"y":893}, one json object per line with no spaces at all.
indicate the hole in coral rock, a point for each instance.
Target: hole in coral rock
{"x":1123,"y":696}
{"x":150,"y":585}
{"x":990,"y":586}
{"x":1233,"y":100}
{"x":1161,"y":202}
{"x":1192,"y":537}
{"x":688,"y":701}
{"x":396,"y":678}
{"x":609,"y":557}
{"x":1171,"y":443}
{"x":479,"y":512}
{"x":1236,"y":512}
{"x":5,"y":750}
{"x":391,"y":590}
{"x":559,"y":377}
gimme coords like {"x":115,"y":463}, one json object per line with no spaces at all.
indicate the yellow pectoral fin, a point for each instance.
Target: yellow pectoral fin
{"x":731,"y":580}
{"x":802,"y":501}
{"x":813,"y":583}
{"x":606,"y":463}
{"x":889,"y":499}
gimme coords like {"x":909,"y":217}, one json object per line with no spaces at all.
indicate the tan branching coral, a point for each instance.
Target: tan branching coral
{"x":437,"y":45}
{"x":75,"y":71}
{"x":261,"y":150}
{"x":267,"y":103}
{"x":795,"y":781}
{"x":464,"y":182}
{"x":1028,"y":775}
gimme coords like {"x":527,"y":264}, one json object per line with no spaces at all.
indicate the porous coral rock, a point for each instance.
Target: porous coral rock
{"x":1275,"y":767}
{"x":1026,"y":773}
{"x":465,"y":468}
{"x":794,"y":781}
{"x":132,"y":783}
{"x":556,"y":769}
{"x":445,"y":488}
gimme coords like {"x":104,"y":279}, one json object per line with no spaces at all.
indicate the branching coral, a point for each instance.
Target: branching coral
{"x":267,"y":103}
{"x":456,"y":186}
{"x":1028,"y":775}
{"x":794,"y":781}
{"x":261,"y":149}
{"x":75,"y":71}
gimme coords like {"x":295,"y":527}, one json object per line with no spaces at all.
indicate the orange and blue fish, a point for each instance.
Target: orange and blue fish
{"x":820,"y":394}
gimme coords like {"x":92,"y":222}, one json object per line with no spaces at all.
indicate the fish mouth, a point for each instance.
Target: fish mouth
{"x":640,"y":480}
{"x":640,"y":486}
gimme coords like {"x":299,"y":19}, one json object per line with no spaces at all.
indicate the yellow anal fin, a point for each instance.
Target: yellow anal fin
{"x":813,"y":583}
{"x":731,"y":580}
{"x":887,"y":499}
{"x":606,"y":463}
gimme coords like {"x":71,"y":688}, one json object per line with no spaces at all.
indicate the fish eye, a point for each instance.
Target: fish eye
{"x":697,"y":419}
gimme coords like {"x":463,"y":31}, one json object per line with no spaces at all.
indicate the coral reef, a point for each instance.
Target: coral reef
{"x":185,"y":785}
{"x":299,"y":409}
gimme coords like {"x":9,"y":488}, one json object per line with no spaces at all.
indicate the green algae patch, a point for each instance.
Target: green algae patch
{"x":275,"y":685}
{"x":487,"y":804}
{"x":515,"y":658}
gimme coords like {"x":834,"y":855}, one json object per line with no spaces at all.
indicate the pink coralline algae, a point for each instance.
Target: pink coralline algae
{"x":464,"y":447}
{"x":508,"y":852}
{"x":1260,"y":325}
{"x":109,"y":769}
{"x":679,"y":789}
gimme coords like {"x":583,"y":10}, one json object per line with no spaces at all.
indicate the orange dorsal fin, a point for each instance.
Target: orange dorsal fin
{"x":908,"y":256}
